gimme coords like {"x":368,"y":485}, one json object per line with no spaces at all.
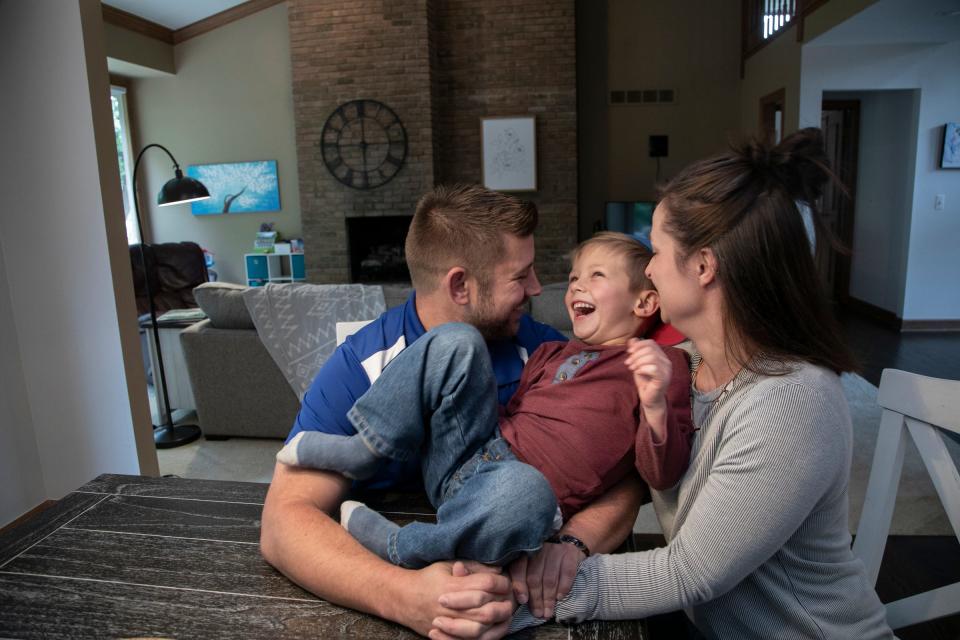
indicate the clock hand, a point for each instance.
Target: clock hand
{"x":363,"y":143}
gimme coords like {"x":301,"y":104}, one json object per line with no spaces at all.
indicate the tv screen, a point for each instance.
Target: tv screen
{"x":631,"y":218}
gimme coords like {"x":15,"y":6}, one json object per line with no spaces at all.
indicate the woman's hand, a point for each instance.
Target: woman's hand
{"x":474,"y":610}
{"x":652,"y":371}
{"x":546,"y":577}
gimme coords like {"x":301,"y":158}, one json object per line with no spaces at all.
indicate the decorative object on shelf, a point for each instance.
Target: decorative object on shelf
{"x":509,"y":153}
{"x":237,"y":187}
{"x":274,"y":267}
{"x":178,"y":190}
{"x":950,"y":158}
{"x":296,"y":245}
{"x":363,"y":144}
{"x":266,"y":238}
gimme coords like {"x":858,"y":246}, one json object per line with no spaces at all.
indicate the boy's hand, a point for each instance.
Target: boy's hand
{"x":651,"y":372}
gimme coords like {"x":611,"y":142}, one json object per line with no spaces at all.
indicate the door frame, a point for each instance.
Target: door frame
{"x":847,"y":174}
{"x":769,"y":105}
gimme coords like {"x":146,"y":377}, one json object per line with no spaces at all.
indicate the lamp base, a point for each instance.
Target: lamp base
{"x":169,"y":436}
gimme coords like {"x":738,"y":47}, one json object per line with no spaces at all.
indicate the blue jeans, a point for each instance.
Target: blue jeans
{"x":438,"y":399}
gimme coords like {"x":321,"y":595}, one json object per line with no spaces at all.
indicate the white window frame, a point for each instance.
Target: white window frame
{"x":130,"y":215}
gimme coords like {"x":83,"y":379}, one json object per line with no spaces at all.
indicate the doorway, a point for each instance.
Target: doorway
{"x":840,"y":122}
{"x":771,"y":115}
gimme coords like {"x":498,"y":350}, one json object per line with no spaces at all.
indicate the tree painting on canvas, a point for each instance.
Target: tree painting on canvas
{"x":237,"y":187}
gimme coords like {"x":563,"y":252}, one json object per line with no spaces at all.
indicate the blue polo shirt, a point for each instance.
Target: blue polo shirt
{"x":359,"y":361}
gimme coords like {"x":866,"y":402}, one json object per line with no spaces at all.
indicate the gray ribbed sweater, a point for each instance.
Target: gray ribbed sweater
{"x":759,"y":545}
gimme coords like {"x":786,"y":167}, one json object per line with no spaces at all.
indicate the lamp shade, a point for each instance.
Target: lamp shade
{"x":181,"y":189}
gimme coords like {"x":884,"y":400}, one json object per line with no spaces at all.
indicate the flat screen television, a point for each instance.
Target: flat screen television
{"x":632,"y":218}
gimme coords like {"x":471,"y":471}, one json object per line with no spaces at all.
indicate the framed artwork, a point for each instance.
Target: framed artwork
{"x":237,"y":187}
{"x":509,"y":153}
{"x":950,"y":159}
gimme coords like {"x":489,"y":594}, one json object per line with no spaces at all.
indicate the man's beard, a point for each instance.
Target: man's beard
{"x":486,"y":322}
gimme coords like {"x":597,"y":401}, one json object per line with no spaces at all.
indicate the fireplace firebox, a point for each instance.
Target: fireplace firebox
{"x":376,"y":248}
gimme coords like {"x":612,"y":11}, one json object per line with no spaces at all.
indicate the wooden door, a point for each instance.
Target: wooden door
{"x":840,"y":121}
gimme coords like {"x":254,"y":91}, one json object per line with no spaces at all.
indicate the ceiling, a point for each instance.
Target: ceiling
{"x":898,"y":22}
{"x":173,"y":14}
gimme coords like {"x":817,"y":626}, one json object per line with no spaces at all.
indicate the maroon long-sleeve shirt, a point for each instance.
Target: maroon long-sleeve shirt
{"x":576,"y":417}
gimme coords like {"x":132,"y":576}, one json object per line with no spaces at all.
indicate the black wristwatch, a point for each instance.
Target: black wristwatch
{"x":566,"y":538}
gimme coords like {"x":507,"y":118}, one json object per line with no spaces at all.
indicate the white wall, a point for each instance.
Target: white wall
{"x":62,"y":263}
{"x":21,"y":479}
{"x":884,"y":194}
{"x":231,"y":100}
{"x":932,"y":285}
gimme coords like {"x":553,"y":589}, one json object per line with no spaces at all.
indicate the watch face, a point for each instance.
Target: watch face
{"x":364,"y":144}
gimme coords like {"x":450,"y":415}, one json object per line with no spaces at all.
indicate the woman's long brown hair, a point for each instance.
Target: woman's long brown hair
{"x":743,"y":205}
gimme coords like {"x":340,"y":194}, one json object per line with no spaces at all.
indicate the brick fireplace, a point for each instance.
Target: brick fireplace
{"x":441,"y":65}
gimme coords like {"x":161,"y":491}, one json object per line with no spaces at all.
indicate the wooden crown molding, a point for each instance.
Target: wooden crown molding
{"x":218,"y":20}
{"x":156,"y":31}
{"x":120,"y":18}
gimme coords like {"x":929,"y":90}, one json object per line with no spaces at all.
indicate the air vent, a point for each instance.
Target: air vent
{"x":642,"y":96}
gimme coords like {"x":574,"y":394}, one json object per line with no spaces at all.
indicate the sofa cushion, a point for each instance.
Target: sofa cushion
{"x":223,"y":303}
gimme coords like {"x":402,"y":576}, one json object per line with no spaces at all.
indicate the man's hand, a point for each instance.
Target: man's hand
{"x":545,"y":578}
{"x":652,"y":371}
{"x":313,"y":550}
{"x":474,"y":602}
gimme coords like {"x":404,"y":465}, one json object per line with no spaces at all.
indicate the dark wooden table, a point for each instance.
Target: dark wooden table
{"x":128,"y":556}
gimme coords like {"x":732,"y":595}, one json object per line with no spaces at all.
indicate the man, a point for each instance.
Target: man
{"x":470,"y":252}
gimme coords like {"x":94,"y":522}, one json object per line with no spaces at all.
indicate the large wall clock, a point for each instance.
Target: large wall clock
{"x":364,"y":144}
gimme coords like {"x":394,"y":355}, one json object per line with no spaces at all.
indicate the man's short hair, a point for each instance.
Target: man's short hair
{"x":635,"y":255}
{"x":463,"y":225}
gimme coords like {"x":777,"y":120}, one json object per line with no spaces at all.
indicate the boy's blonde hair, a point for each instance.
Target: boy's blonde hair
{"x":635,"y":256}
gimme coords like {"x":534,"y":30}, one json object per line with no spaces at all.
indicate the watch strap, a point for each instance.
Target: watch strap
{"x":566,"y":538}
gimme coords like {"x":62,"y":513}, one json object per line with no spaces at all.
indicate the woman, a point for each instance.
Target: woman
{"x":759,"y":544}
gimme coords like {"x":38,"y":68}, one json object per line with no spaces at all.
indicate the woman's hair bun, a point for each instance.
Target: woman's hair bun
{"x":799,"y":163}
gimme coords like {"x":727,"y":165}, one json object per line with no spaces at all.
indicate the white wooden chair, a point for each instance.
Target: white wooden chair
{"x":922,"y":407}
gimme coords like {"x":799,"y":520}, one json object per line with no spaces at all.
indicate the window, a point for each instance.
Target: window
{"x":777,"y":15}
{"x":121,"y":128}
{"x":764,"y":20}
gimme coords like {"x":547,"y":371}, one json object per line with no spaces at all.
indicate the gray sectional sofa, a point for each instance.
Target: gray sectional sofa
{"x":238,"y":388}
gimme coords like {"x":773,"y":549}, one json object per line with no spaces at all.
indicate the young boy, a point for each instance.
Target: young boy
{"x":585,"y":412}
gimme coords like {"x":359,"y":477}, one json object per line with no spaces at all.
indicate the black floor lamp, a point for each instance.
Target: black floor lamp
{"x":178,"y":190}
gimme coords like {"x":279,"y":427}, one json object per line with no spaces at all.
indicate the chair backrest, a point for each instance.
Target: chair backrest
{"x":345,"y":329}
{"x":921,"y":407}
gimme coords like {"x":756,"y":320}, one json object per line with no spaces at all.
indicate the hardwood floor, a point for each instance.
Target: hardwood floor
{"x":935,"y":354}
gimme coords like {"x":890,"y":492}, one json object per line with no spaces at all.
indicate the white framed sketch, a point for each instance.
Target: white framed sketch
{"x":509,"y":153}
